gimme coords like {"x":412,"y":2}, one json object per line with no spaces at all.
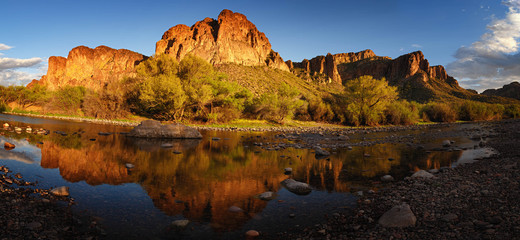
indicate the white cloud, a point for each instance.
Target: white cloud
{"x":10,"y":63}
{"x":493,"y":60}
{"x":13,"y":77}
{"x":4,"y":47}
{"x":415,"y":45}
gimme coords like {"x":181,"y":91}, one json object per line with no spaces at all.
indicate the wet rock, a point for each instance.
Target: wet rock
{"x":288,"y":170}
{"x":9,"y":146}
{"x":422,"y":174}
{"x":60,"y":191}
{"x":446,"y":143}
{"x":387,"y":178}
{"x":129,"y":165}
{"x":104,"y":133}
{"x":266,"y":196}
{"x":180,"y":224}
{"x":252,"y":234}
{"x":215,"y":139}
{"x":320,"y":153}
{"x":296,"y":187}
{"x":399,"y":216}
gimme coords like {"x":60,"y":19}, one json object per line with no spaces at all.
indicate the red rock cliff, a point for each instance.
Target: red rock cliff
{"x":229,"y":39}
{"x":91,"y":68}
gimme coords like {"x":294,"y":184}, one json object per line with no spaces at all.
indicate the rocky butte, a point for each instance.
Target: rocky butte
{"x":91,"y":68}
{"x":229,"y":39}
{"x":411,"y":72}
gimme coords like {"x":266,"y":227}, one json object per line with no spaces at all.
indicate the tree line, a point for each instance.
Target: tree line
{"x":192,"y":90}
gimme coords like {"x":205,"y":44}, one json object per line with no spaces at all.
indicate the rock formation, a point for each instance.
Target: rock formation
{"x":410,"y":71}
{"x":511,"y":90}
{"x":91,"y":68}
{"x":229,"y":39}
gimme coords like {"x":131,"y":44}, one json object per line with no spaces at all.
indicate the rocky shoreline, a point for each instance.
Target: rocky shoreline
{"x":28,"y":212}
{"x":473,"y":201}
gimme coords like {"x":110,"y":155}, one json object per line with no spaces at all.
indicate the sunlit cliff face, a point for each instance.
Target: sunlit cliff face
{"x":208,"y":177}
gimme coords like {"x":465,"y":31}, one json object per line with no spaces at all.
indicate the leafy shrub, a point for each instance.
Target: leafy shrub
{"x":277,"y":107}
{"x":402,"y":113}
{"x":108,"y":103}
{"x":67,"y":100}
{"x":512,"y":111}
{"x":474,"y":111}
{"x":438,"y":112}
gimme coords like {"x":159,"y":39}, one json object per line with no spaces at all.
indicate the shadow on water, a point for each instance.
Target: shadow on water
{"x":200,"y":180}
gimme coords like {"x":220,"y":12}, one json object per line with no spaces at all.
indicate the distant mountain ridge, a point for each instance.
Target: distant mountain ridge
{"x":511,"y":90}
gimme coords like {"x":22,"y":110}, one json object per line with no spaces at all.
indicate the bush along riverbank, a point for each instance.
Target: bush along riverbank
{"x":479,"y":200}
{"x":28,"y":212}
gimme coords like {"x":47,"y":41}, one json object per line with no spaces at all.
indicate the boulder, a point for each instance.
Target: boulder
{"x":398,"y":216}
{"x":296,"y":187}
{"x":60,"y":191}
{"x":387,"y":178}
{"x":422,"y":174}
{"x":154,"y":129}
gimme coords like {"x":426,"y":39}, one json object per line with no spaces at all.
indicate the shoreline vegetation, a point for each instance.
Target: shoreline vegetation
{"x":194,"y":92}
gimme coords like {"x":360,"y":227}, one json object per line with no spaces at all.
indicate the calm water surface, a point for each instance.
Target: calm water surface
{"x":207,"y":177}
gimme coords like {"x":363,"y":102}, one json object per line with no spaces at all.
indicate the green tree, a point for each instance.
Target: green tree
{"x":162,"y":97}
{"x":366,"y":99}
{"x":32,"y":96}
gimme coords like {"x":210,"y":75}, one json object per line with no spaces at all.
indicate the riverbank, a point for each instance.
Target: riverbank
{"x":28,"y":212}
{"x":251,"y":125}
{"x":472,"y":201}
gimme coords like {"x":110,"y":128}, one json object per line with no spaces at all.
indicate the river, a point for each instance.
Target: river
{"x":200,"y":180}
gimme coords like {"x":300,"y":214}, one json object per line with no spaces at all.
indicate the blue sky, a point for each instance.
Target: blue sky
{"x":446,"y":31}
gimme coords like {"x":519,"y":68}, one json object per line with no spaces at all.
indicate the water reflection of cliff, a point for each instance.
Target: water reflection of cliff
{"x":208,"y":177}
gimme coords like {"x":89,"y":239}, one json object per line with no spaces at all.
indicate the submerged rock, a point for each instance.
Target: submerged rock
{"x":180,"y":224}
{"x":235,"y":209}
{"x":154,"y":129}
{"x":296,"y":187}
{"x":266,"y":196}
{"x":398,"y":216}
{"x":60,"y":191}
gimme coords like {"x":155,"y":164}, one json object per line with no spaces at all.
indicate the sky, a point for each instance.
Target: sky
{"x":476,"y":40}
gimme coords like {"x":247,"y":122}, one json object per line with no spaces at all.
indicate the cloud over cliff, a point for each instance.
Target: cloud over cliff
{"x":494,"y":60}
